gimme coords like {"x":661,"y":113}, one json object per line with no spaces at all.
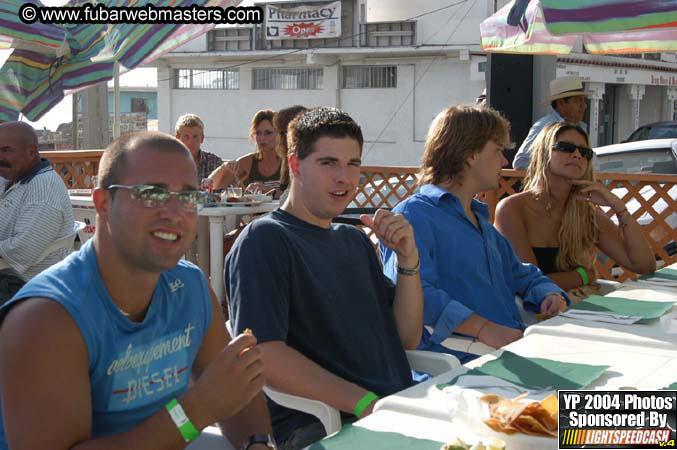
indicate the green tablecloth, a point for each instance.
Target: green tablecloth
{"x":537,"y":373}
{"x":670,"y":274}
{"x":357,"y":438}
{"x":624,"y":306}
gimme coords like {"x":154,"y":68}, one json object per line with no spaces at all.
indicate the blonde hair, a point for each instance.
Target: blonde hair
{"x":579,"y":230}
{"x":456,"y":134}
{"x":189,"y":121}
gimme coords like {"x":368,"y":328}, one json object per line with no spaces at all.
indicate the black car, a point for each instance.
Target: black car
{"x":657,"y":130}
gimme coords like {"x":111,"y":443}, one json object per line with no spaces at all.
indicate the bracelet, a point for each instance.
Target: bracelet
{"x":584,"y":275}
{"x":365,"y":401}
{"x":486,"y":321}
{"x":178,"y":415}
{"x":409,"y":272}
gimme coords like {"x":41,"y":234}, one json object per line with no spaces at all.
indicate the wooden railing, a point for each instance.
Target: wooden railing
{"x":387,"y":186}
{"x":76,"y":167}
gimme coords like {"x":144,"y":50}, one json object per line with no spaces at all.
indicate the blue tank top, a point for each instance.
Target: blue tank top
{"x":134,"y":368}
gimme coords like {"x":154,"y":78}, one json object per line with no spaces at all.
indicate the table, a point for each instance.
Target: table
{"x":210,"y":239}
{"x":640,"y":356}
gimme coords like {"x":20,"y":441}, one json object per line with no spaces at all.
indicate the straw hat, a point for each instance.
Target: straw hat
{"x":564,"y":87}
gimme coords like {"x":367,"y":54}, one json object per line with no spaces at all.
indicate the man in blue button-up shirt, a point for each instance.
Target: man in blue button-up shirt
{"x":469,"y":271}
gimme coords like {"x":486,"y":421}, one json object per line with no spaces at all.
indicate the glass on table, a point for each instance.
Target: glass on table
{"x":232,"y":194}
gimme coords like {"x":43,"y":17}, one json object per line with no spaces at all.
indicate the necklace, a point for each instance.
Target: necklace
{"x":134,"y":317}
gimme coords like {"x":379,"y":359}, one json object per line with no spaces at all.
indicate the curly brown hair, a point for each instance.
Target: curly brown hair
{"x":316,"y":123}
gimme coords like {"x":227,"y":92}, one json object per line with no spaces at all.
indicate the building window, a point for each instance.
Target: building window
{"x":375,"y":77}
{"x":287,"y":78}
{"x":139,"y":105}
{"x":207,"y":79}
{"x":229,"y":39}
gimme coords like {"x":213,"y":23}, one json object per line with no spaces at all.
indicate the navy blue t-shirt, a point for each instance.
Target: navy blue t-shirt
{"x":323,"y":292}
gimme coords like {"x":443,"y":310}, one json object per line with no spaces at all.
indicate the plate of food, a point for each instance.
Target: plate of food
{"x":490,"y":407}
{"x":239,"y":201}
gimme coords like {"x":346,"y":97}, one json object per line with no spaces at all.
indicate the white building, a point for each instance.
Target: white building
{"x":394,"y":65}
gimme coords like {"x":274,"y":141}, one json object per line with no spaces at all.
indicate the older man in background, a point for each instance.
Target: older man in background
{"x":567,"y":99}
{"x":34,"y":209}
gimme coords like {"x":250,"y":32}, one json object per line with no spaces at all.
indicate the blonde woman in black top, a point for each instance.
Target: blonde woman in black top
{"x":556,"y":221}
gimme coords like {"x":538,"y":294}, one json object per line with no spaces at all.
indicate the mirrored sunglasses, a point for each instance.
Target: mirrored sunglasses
{"x":156,"y":197}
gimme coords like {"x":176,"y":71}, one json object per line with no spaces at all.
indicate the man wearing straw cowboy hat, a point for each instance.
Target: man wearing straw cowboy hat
{"x":567,"y":99}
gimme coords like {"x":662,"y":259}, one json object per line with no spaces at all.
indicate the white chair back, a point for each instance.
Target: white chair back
{"x":64,"y":242}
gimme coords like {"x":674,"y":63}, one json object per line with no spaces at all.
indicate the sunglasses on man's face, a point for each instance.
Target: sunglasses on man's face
{"x":156,"y":197}
{"x":568,"y":147}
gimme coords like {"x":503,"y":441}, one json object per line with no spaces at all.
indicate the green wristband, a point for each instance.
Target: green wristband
{"x":185,"y":426}
{"x":584,"y":275}
{"x":364,"y":402}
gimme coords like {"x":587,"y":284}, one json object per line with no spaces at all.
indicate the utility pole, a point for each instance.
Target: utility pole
{"x":95,"y":117}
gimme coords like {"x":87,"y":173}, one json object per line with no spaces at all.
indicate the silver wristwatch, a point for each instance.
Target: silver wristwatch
{"x":267,"y":439}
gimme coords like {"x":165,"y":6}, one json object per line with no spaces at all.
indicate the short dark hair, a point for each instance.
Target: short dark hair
{"x":281,"y":121}
{"x":113,"y":162}
{"x":316,"y":123}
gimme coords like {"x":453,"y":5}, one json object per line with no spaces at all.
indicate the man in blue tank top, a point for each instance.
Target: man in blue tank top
{"x":101,"y":346}
{"x":331,"y":326}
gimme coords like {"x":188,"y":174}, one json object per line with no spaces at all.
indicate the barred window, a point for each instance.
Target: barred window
{"x":287,"y":78}
{"x":207,"y":79}
{"x":359,"y":77}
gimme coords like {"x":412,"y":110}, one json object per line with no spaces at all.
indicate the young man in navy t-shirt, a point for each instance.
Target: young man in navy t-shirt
{"x":331,"y":326}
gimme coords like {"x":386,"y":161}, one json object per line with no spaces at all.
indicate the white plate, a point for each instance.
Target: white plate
{"x":260,"y":197}
{"x":252,"y":203}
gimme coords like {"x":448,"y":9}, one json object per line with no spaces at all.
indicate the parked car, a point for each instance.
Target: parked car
{"x":655,"y":156}
{"x":657,"y":130}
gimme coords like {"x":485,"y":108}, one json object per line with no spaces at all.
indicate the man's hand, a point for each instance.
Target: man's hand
{"x":396,"y":233}
{"x":552,"y":304}
{"x":495,"y":335}
{"x":228,"y":383}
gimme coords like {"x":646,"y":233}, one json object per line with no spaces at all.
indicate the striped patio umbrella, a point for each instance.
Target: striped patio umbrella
{"x":603,"y":16}
{"x":522,"y":27}
{"x":51,"y":60}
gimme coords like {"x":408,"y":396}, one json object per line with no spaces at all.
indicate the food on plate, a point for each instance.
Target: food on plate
{"x":237,"y":199}
{"x":459,"y":444}
{"x":513,"y":415}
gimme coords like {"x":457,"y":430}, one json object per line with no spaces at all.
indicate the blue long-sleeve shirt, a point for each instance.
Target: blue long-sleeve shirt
{"x":523,"y":155}
{"x":465,"y":270}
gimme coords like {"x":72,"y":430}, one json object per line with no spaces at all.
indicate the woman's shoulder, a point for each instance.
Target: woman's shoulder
{"x":246,"y":162}
{"x":248,"y":158}
{"x":515,"y":203}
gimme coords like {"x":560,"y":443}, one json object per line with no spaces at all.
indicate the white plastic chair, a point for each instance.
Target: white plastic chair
{"x":424,"y":361}
{"x":64,"y":242}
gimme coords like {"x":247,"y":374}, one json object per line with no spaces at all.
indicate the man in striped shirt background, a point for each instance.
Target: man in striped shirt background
{"x":35,"y":209}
